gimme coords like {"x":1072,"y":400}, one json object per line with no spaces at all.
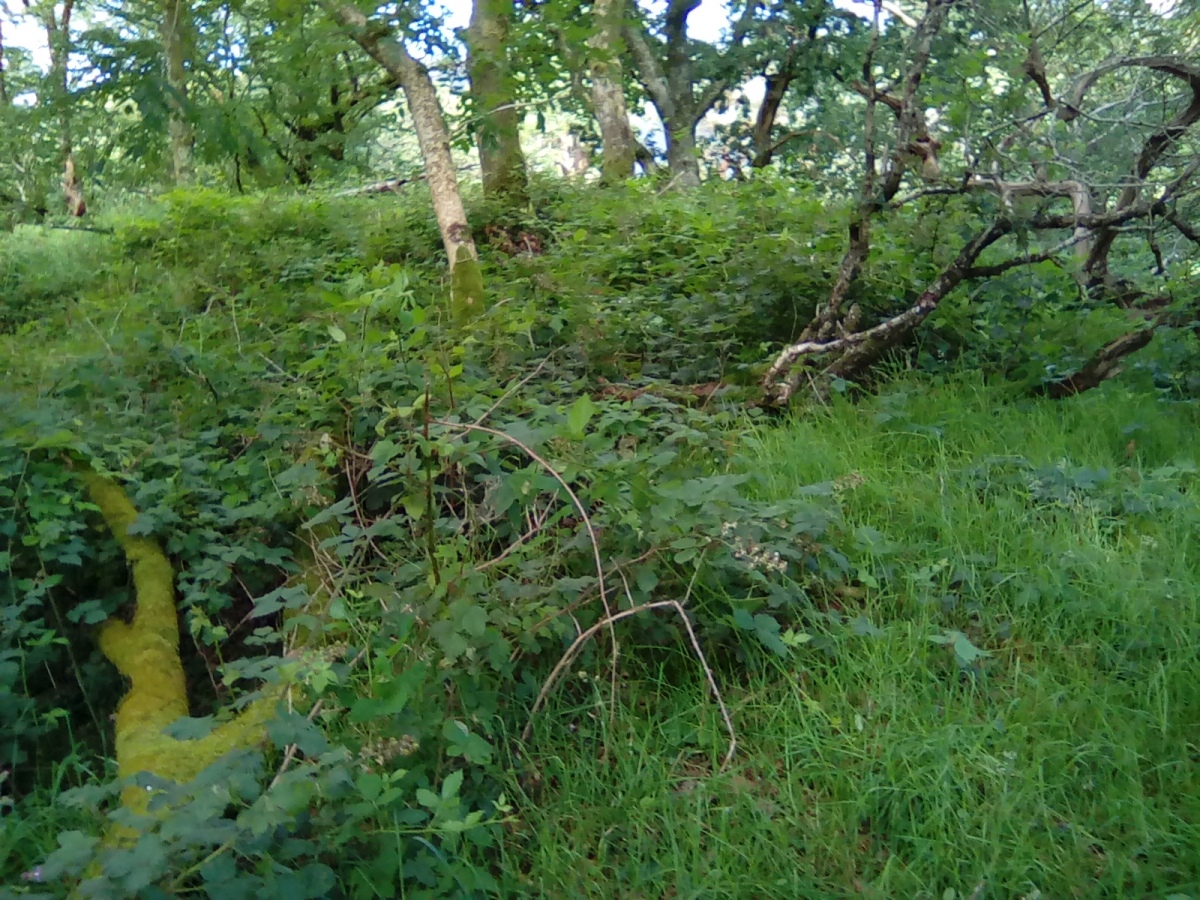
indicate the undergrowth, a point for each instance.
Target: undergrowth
{"x":906,"y":603}
{"x":1003,"y":703}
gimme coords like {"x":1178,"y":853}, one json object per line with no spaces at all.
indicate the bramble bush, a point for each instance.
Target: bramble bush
{"x":371,"y":511}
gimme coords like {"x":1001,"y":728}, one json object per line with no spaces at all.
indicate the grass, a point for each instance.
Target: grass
{"x":1058,"y":538}
{"x":1067,"y":766}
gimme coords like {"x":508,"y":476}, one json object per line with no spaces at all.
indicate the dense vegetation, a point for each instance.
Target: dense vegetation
{"x":811,"y":515}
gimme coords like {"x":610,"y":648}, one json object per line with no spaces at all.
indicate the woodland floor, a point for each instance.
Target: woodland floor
{"x":875,"y":768}
{"x":1008,"y":706}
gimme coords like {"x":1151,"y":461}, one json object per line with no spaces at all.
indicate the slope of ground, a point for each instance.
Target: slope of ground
{"x":889,"y":759}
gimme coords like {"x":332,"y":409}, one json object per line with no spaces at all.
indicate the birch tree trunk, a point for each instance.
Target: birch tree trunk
{"x":501,"y":161}
{"x":466,"y":280}
{"x":177,"y":41}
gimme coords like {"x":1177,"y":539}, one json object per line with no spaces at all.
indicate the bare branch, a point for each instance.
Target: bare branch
{"x":1152,"y":151}
{"x":1103,"y":365}
{"x":1185,"y":228}
{"x":1026,"y":259}
{"x":651,"y":74}
{"x":1069,"y":107}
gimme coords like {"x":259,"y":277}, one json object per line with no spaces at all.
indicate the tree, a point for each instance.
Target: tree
{"x":1041,"y":137}
{"x":683,"y":78}
{"x":312,"y":94}
{"x":466,"y":280}
{"x":4,"y":98}
{"x":56,"y":19}
{"x":498,"y":128}
{"x":788,"y":41}
{"x":178,"y":42}
{"x":618,"y":144}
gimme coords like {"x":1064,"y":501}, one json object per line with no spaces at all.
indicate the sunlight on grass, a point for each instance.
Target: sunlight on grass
{"x":1059,"y":539}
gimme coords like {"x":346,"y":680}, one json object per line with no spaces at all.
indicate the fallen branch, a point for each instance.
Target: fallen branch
{"x":146,"y":651}
{"x":391,"y":186}
{"x":1103,"y":365}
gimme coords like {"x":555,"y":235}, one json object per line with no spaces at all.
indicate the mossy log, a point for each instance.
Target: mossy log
{"x":146,"y":651}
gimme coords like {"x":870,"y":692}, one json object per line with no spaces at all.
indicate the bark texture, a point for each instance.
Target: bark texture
{"x":501,"y":161}
{"x":467,"y":297}
{"x":608,"y":92}
{"x":177,"y":41}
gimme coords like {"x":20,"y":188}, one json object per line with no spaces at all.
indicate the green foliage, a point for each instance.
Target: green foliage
{"x":262,"y":387}
{"x":42,"y":272}
{"x":375,"y":509}
{"x":1006,"y":698}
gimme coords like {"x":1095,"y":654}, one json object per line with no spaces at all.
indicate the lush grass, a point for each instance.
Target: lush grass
{"x":1068,"y":765}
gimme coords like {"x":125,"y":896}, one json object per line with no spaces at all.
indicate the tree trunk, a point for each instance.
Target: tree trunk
{"x":608,"y":93}
{"x":3,"y":81}
{"x":682,"y":161}
{"x":499,"y":137}
{"x":764,"y":123}
{"x":674,"y":105}
{"x":58,"y":38}
{"x":177,"y":28}
{"x":466,"y":280}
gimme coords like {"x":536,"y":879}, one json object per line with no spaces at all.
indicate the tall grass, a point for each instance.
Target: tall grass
{"x":1065,"y":766}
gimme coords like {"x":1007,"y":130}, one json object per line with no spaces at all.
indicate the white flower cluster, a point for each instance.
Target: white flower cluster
{"x":751,"y":553}
{"x":849,"y":482}
{"x":380,"y":753}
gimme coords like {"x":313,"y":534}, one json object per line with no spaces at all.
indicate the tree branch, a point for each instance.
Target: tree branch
{"x":863,"y":346}
{"x":650,"y":72}
{"x":1103,"y":365}
{"x":1183,"y":227}
{"x":1070,"y":106}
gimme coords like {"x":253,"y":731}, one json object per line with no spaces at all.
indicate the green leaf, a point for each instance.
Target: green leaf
{"x":474,"y":620}
{"x":579,"y":415}
{"x":743,"y":619}
{"x":73,"y":853}
{"x":463,"y":743}
{"x":966,"y":652}
{"x":647,"y":579}
{"x":428,"y":798}
{"x":452,"y":784}
{"x":339,"y":336}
